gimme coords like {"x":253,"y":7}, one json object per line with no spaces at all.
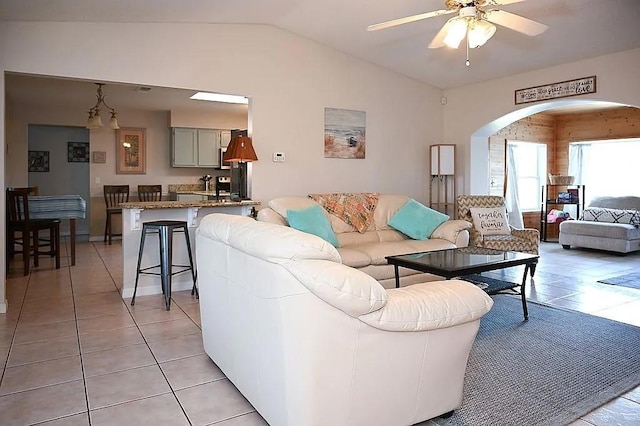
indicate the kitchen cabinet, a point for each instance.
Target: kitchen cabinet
{"x":225,"y":138}
{"x":195,"y":147}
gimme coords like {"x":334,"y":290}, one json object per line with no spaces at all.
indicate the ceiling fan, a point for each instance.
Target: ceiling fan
{"x":473,"y":21}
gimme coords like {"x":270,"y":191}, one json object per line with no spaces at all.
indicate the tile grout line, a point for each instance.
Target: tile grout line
{"x":84,"y":376}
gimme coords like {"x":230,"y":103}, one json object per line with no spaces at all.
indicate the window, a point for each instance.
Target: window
{"x":606,"y":167}
{"x":530,"y":160}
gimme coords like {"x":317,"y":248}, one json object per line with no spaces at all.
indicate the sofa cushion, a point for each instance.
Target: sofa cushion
{"x":388,"y":205}
{"x":600,"y":229}
{"x":416,"y":220}
{"x":607,"y":215}
{"x":378,"y":251}
{"x":282,"y":204}
{"x":313,"y":221}
{"x":625,"y":203}
{"x":490,"y":220}
{"x":354,"y":257}
{"x":356,"y":209}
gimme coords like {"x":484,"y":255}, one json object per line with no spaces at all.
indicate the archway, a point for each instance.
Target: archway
{"x":479,"y":148}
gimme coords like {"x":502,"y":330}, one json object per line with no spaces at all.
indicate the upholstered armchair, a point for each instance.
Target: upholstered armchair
{"x":522,"y":240}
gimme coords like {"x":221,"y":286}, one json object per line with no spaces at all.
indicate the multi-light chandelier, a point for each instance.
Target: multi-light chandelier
{"x":95,"y":121}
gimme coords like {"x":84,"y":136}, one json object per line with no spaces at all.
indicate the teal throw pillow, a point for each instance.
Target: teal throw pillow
{"x":313,"y":220}
{"x":416,"y":220}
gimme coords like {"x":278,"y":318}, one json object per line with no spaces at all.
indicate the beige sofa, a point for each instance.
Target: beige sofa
{"x":601,"y":231}
{"x":310,"y":341}
{"x":366,"y":251}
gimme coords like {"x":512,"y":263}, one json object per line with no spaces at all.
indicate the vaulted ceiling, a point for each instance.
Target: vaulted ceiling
{"x":578,"y":29}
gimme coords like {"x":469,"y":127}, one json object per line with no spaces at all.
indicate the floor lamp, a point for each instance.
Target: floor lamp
{"x":240,"y":150}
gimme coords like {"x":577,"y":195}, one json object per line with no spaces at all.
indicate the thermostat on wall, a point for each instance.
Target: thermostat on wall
{"x":278,"y":157}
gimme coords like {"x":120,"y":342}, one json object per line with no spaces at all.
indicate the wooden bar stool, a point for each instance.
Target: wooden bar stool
{"x":113,"y":195}
{"x":165,"y":230}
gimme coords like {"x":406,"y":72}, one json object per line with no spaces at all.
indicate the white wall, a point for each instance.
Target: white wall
{"x":469,"y":109}
{"x":290,"y":81}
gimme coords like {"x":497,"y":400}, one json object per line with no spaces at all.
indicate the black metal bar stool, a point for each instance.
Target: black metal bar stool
{"x":165,"y":230}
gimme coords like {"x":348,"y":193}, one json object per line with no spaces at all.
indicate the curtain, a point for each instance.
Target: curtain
{"x":578,"y":158}
{"x":511,"y":196}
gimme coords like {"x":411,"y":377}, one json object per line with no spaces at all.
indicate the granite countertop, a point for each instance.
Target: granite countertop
{"x":186,"y":204}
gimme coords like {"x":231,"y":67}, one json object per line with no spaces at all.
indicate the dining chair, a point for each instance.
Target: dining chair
{"x":113,"y":195}
{"x":150,"y":192}
{"x":18,"y":221}
{"x":12,"y":240}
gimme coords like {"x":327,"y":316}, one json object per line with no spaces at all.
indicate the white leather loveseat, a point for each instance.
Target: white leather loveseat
{"x":312,"y":342}
{"x":367,"y":251}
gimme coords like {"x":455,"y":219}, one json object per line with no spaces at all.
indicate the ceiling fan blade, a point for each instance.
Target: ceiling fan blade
{"x":421,"y":16}
{"x":438,"y":40}
{"x":515,"y":22}
{"x":500,"y":2}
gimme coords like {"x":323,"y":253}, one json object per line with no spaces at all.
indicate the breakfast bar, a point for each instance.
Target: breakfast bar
{"x":134,"y":214}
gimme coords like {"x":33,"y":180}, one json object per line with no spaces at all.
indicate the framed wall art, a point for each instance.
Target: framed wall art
{"x":38,"y":161}
{"x":344,"y":133}
{"x":77,"y":152}
{"x":99,"y":157}
{"x":131,"y":151}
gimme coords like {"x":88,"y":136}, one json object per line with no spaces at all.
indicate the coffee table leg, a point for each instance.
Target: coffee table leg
{"x":522,"y":292}
{"x":395,"y":269}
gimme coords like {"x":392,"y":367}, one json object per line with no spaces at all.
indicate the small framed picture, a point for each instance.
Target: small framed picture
{"x":564,"y":196}
{"x":77,"y":152}
{"x":38,"y":161}
{"x":99,"y":156}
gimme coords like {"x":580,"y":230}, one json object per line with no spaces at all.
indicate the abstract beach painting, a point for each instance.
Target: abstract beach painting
{"x":344,"y":133}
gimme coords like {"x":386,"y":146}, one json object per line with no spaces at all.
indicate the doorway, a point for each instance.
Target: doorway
{"x":62,"y":168}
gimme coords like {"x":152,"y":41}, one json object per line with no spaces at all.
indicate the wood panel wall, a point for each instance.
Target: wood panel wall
{"x":614,"y":123}
{"x":558,"y":131}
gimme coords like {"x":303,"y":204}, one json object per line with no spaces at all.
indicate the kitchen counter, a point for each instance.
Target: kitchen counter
{"x":135,"y":214}
{"x":143,"y":205}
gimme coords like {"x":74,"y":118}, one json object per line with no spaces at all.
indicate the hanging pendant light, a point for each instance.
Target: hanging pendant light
{"x":95,"y":121}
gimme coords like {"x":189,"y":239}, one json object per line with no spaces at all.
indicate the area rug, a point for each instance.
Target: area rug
{"x":627,"y":280}
{"x":550,"y":370}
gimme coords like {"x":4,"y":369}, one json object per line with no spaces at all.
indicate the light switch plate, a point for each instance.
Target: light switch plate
{"x":278,"y":157}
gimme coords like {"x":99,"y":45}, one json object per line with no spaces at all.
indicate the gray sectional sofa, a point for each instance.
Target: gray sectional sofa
{"x":608,"y":223}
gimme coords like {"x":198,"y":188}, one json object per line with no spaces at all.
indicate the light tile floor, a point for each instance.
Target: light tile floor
{"x":72,"y":352}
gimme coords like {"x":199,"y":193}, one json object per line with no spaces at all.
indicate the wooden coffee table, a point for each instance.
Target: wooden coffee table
{"x":459,"y":262}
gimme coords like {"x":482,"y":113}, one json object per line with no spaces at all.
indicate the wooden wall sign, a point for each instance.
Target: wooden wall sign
{"x":564,"y":89}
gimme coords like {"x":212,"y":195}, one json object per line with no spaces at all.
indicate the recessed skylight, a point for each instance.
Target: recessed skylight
{"x":220,"y":97}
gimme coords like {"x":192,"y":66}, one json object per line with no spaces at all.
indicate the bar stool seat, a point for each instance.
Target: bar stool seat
{"x":165,"y":230}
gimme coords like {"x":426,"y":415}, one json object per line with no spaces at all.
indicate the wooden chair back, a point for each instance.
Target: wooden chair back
{"x":150,"y":192}
{"x":18,"y":205}
{"x":115,"y":194}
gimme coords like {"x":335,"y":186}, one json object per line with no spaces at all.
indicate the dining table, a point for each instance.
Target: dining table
{"x":69,"y":207}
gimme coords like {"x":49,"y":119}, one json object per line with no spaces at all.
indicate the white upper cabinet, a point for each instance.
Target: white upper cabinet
{"x":225,"y":138}
{"x":195,"y":147}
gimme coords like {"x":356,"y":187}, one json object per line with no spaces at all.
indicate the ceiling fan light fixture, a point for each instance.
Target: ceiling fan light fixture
{"x":480,"y":31}
{"x":457,"y":31}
